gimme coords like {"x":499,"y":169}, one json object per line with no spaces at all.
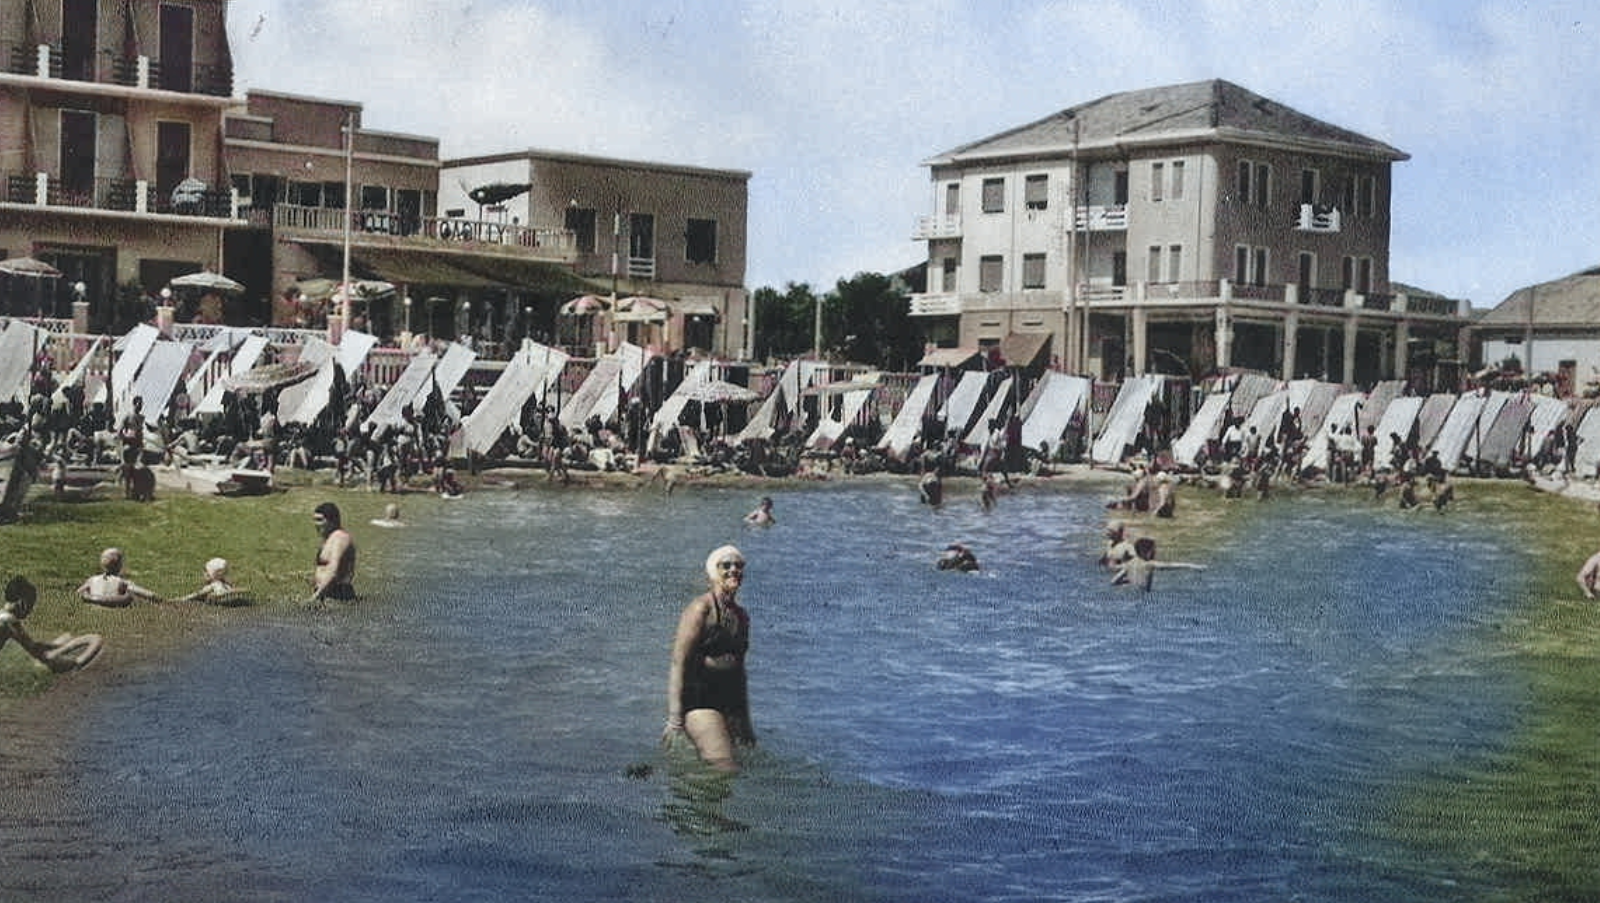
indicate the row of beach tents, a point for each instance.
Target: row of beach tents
{"x":973,"y":408}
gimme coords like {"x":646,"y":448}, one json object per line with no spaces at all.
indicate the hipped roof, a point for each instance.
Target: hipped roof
{"x":1570,"y":301}
{"x":1214,"y":110}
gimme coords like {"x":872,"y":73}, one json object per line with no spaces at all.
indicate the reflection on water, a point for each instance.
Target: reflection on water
{"x":490,"y":730}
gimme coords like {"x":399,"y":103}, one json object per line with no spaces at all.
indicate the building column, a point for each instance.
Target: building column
{"x":1350,"y":335}
{"x":1402,"y":350}
{"x":1291,"y":326}
{"x":1139,"y":321}
{"x":1224,"y":338}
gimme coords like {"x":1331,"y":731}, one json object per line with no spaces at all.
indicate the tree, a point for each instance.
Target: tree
{"x":865,"y":319}
{"x":784,"y":321}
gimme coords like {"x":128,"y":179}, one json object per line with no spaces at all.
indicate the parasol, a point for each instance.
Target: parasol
{"x":585,"y":305}
{"x":639,"y":307}
{"x":718,"y":391}
{"x":28,"y":266}
{"x":269,"y":376}
{"x":206,"y":280}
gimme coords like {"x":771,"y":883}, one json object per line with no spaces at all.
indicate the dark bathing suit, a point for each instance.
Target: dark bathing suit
{"x":727,"y":637}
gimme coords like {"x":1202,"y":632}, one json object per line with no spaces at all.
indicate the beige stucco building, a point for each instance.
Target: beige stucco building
{"x":671,"y":232}
{"x":1177,"y":229}
{"x":111,"y":166}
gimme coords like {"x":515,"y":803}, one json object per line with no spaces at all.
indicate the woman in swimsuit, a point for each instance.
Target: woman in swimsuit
{"x":706,"y":692}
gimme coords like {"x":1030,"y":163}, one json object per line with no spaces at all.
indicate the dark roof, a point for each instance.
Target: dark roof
{"x":1210,"y":110}
{"x":1570,"y":301}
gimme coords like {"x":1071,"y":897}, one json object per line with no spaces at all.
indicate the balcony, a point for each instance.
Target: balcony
{"x":48,"y":61}
{"x":1317,"y":218}
{"x":1103,"y":218}
{"x":120,"y":195}
{"x":946,"y":225}
{"x":941,"y":304}
{"x":556,"y":244}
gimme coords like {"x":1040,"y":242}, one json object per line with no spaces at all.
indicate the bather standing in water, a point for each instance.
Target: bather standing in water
{"x":336,"y":558}
{"x":762,"y":515}
{"x":110,"y":588}
{"x":1589,"y":575}
{"x":707,"y":696}
{"x":1140,"y":571}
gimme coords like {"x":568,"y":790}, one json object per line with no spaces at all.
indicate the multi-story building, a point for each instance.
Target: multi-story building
{"x":321,"y":194}
{"x":1177,"y":229}
{"x":111,"y":166}
{"x":668,"y":232}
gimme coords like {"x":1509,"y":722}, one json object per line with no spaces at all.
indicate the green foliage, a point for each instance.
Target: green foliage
{"x":865,"y":319}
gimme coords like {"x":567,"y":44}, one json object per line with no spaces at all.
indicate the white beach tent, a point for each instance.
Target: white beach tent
{"x":245,"y":357}
{"x":531,"y":372}
{"x":962,"y":405}
{"x":600,"y":393}
{"x":131,"y":349}
{"x":305,"y":400}
{"x":983,"y":430}
{"x":1205,"y":426}
{"x":902,"y":432}
{"x":1340,"y":425}
{"x":1398,"y":418}
{"x":1548,"y":415}
{"x":1508,"y":434}
{"x":667,"y":416}
{"x":19,"y":345}
{"x":1435,"y":412}
{"x":1587,"y":460}
{"x":164,"y":366}
{"x":1124,"y":420}
{"x":417,"y":382}
{"x":762,"y":423}
{"x":1050,"y":410}
{"x":857,"y":393}
{"x":1451,"y":443}
{"x":1483,"y":430}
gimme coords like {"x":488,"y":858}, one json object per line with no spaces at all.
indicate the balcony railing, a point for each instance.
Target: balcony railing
{"x":561,"y":242}
{"x":47,"y":61}
{"x":1322,"y":297}
{"x":947,"y":225}
{"x":641,"y":268}
{"x":112,"y":194}
{"x":1317,"y":218}
{"x":1180,"y":293}
{"x":1103,"y":218}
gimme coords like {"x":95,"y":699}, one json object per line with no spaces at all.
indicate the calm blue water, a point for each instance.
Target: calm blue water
{"x":1027,"y":733}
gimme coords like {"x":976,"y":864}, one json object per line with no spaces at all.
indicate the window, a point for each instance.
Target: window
{"x":1347,"y":273}
{"x":1349,"y":205}
{"x":994,"y":195}
{"x":333,"y":195}
{"x":1158,"y":174}
{"x":1153,"y":264}
{"x":1119,"y":268}
{"x":305,"y":194}
{"x":1241,"y":186}
{"x":1241,"y":264}
{"x":1033,"y":271}
{"x":700,"y":241}
{"x":1308,"y":269}
{"x":1119,"y":187}
{"x":1036,"y":192}
{"x":1367,"y":202}
{"x":264,"y":190}
{"x":78,"y":152}
{"x":1261,"y":189}
{"x":1177,"y":181}
{"x":1364,"y":275}
{"x":1174,"y":262}
{"x":991,"y":273}
{"x":1310,"y":182}
{"x":1258,"y":275}
{"x":642,"y":236}
{"x":952,"y":198}
{"x":374,"y":197}
{"x":580,"y":222}
{"x":949,"y":274}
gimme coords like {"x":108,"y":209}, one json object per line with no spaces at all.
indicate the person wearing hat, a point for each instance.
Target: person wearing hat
{"x":66,"y":653}
{"x":707,"y":695}
{"x":336,"y":557}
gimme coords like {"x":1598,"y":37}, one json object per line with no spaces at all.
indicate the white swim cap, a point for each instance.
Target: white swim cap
{"x":216,"y":567}
{"x":719,"y":555}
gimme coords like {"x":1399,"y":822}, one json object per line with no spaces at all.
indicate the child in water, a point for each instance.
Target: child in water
{"x":1140,"y":570}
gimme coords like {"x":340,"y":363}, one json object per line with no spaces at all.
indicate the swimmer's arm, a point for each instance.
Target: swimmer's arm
{"x":1178,"y":564}
{"x":683,"y":643}
{"x":13,"y":628}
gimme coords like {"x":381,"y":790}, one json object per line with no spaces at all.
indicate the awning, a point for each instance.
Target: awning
{"x":696,"y":308}
{"x":947,"y":357}
{"x":1022,"y":349}
{"x":426,"y":267}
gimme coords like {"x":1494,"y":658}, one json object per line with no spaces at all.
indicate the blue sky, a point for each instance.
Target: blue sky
{"x":834,"y":105}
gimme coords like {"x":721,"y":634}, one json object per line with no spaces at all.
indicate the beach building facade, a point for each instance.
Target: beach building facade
{"x":111,"y":163}
{"x":1550,"y":327}
{"x":1178,"y":230}
{"x":671,"y":235}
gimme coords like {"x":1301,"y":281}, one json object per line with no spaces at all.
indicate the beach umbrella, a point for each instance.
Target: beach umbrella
{"x":716,"y":391}
{"x":28,"y":266}
{"x":269,"y":376}
{"x":639,"y":307}
{"x":585,"y":305}
{"x":205,"y":280}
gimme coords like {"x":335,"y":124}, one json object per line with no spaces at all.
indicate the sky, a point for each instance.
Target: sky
{"x":833,"y":106}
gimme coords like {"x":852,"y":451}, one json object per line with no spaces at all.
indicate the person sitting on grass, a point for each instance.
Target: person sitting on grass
{"x":65,"y":653}
{"x":109,"y":588}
